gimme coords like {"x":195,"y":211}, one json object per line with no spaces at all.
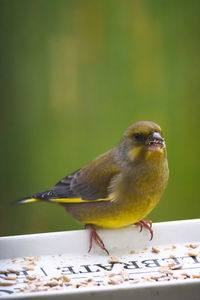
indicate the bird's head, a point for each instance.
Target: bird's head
{"x":143,"y":140}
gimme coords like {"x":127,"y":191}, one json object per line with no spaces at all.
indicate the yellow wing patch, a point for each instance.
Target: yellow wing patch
{"x":64,"y":200}
{"x":76,"y":200}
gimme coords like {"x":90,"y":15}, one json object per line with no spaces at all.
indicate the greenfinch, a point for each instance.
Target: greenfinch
{"x":119,"y":187}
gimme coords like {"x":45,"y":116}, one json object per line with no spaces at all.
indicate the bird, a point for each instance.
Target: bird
{"x":119,"y":187}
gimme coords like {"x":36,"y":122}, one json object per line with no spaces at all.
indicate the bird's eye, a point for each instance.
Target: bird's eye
{"x":138,"y":136}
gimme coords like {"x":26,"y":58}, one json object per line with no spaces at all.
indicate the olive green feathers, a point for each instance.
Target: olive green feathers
{"x":119,"y":187}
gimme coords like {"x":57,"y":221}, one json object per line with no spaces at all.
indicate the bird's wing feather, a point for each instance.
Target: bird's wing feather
{"x":90,"y":183}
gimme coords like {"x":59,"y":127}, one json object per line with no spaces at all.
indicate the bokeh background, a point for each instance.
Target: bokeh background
{"x":74,"y":75}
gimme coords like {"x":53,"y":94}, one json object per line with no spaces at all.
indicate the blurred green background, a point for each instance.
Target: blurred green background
{"x":74,"y":75}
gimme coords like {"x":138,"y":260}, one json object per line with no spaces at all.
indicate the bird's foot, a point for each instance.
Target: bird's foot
{"x":147,"y":225}
{"x":95,"y":237}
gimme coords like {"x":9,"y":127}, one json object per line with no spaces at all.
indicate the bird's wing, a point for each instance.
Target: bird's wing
{"x":90,"y":183}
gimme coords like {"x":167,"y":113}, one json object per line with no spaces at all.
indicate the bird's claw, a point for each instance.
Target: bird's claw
{"x":96,"y":238}
{"x":147,"y":225}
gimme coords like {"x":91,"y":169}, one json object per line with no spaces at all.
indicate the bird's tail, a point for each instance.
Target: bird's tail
{"x":43,"y":196}
{"x":25,"y":200}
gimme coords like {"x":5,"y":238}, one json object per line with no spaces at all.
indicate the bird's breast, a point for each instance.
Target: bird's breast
{"x":143,"y":179}
{"x":138,"y":193}
{"x":133,"y":195}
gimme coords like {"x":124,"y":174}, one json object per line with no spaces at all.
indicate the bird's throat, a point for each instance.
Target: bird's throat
{"x":155,"y":155}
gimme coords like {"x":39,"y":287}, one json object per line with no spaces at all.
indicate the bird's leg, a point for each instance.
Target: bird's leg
{"x":95,"y":237}
{"x":146,"y":224}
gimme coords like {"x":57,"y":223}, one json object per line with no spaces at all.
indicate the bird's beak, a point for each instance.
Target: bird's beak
{"x":155,"y":141}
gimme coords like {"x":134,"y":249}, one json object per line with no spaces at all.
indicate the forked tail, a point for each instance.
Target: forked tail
{"x":43,"y":196}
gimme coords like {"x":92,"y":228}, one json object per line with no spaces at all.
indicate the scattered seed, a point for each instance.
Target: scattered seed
{"x":165,"y":270}
{"x":176,"y":267}
{"x":15,"y":271}
{"x":28,"y":268}
{"x":29,"y":258}
{"x":196,"y":276}
{"x":193,"y":253}
{"x":26,"y":281}
{"x":156,"y":277}
{"x":166,"y":278}
{"x":65,"y":278}
{"x":193,"y":246}
{"x":35,"y":283}
{"x":89,"y":279}
{"x":4,"y":272}
{"x":32,"y":263}
{"x":113,"y":281}
{"x":186,"y":274}
{"x":6,"y":283}
{"x":155,"y":250}
{"x":51,"y":283}
{"x":113,"y":260}
{"x":10,"y":277}
{"x":149,"y":278}
{"x":31,"y":277}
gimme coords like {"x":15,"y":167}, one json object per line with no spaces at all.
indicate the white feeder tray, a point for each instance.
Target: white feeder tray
{"x":58,"y":265}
